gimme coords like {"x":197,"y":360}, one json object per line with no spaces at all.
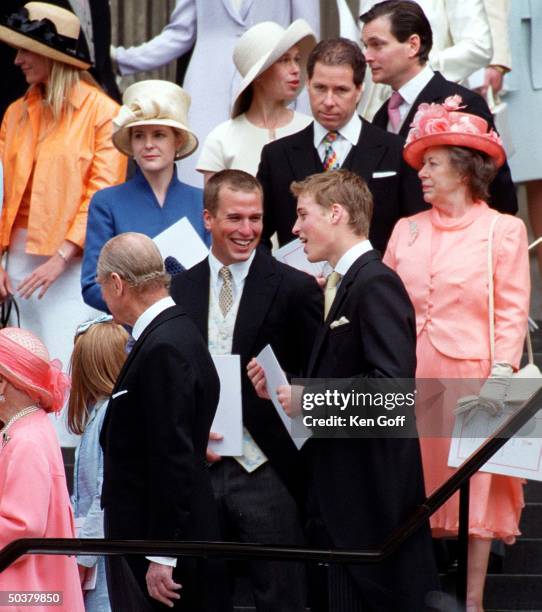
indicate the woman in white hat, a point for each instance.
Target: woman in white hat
{"x":55,"y":146}
{"x":151,"y":127}
{"x":271,"y":60}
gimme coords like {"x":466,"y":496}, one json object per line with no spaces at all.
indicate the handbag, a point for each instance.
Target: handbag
{"x":6,"y":308}
{"x":527,"y":379}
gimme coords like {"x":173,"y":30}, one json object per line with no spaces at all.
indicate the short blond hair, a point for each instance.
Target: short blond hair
{"x":136,"y":259}
{"x":98,"y":356}
{"x":340,"y":187}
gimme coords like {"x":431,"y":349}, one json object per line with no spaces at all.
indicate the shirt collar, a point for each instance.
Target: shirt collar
{"x":239,"y":271}
{"x":353,"y":253}
{"x":412,"y":89}
{"x":350,"y":131}
{"x":150,"y":314}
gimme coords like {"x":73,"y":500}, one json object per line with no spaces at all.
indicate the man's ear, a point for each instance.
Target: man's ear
{"x":117,"y":283}
{"x":207,"y":217}
{"x":337,"y":213}
{"x":415,"y":43}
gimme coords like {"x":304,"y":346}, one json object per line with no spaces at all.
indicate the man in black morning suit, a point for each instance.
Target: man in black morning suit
{"x":336,"y":69}
{"x":267,"y":303}
{"x":361,"y":489}
{"x":407,"y":71}
{"x":156,"y":484}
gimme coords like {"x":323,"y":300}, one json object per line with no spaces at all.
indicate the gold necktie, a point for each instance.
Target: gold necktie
{"x":331,"y":290}
{"x":225,"y":298}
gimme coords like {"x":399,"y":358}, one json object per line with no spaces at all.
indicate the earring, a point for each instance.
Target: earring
{"x":2,"y":397}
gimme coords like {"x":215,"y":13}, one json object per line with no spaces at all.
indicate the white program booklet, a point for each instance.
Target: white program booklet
{"x":181,"y":241}
{"x":294,"y":255}
{"x":228,"y":419}
{"x":275,"y":377}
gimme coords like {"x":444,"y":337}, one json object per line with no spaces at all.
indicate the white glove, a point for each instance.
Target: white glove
{"x":492,"y":394}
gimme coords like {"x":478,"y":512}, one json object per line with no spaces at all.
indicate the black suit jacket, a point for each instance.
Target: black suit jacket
{"x":365,"y":488}
{"x":502,"y":191}
{"x":294,"y":157}
{"x":155,"y":434}
{"x":279,"y":306}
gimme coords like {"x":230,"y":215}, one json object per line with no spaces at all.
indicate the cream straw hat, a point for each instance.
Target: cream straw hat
{"x":48,"y":30}
{"x":154,"y":102}
{"x":261,"y":46}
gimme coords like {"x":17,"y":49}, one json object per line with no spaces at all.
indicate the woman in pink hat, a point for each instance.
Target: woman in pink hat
{"x":442,"y":257}
{"x":34,"y":501}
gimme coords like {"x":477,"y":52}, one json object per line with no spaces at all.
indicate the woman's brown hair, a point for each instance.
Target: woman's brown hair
{"x":98,"y":356}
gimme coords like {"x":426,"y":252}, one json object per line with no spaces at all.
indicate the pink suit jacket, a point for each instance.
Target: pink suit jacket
{"x":444,"y":268}
{"x":34,"y":503}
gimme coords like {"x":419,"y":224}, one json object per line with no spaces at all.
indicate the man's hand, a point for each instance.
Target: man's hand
{"x":161,"y":585}
{"x":284,"y":395}
{"x":43,"y":276}
{"x":5,"y":285}
{"x":210,"y":455}
{"x":257,"y":378}
{"x":493,"y":77}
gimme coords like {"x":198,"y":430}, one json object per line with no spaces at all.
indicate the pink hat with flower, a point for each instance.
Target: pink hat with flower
{"x":24,"y":362}
{"x":437,"y":125}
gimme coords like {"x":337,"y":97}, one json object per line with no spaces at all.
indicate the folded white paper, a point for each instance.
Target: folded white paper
{"x":181,"y":241}
{"x":275,"y":377}
{"x":294,"y":255}
{"x":228,"y":419}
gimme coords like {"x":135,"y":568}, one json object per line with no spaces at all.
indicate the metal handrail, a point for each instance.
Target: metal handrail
{"x":62,"y":546}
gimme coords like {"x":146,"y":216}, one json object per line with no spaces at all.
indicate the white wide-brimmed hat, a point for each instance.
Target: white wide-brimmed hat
{"x":154,"y":102}
{"x":261,"y":46}
{"x":48,"y":30}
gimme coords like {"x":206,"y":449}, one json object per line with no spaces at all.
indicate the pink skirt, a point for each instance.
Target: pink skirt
{"x":495,"y":501}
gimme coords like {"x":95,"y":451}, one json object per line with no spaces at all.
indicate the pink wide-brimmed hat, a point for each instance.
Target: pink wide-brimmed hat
{"x":437,"y":125}
{"x":25,"y":363}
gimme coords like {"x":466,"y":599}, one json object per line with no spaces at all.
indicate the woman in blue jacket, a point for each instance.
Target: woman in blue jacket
{"x":150,"y":127}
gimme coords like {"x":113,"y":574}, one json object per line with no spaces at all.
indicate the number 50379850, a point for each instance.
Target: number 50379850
{"x":30,"y":598}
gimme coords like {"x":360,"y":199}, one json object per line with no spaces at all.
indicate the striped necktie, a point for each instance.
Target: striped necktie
{"x":330,"y":156}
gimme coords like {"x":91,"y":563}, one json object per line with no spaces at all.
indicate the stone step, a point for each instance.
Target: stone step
{"x":513,"y":592}
{"x":531,"y":520}
{"x":533,"y":491}
{"x":524,"y":557}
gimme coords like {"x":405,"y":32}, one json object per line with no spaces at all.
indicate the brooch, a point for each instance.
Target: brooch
{"x":413,"y":231}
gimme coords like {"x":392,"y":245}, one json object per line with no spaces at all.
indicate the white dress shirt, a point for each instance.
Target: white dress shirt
{"x":348,"y":137}
{"x":239,"y":272}
{"x":150,"y":314}
{"x":410,"y":91}
{"x":345,"y":262}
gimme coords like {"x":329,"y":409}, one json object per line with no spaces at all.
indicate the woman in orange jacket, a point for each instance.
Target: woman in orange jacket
{"x":55,"y":146}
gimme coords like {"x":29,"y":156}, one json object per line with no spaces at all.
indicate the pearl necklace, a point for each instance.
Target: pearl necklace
{"x":18,"y":415}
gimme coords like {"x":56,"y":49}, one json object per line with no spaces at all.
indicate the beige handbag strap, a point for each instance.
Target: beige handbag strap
{"x":491,"y":299}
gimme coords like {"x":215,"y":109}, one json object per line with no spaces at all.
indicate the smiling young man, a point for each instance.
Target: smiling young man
{"x":361,"y":489}
{"x":397,"y":39}
{"x":337,"y":138}
{"x":241,"y":299}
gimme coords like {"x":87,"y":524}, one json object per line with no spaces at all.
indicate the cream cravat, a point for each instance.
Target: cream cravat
{"x":331,"y":290}
{"x":225,"y":298}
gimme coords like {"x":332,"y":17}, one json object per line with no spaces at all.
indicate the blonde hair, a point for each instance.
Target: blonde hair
{"x":342,"y":187}
{"x":62,"y":79}
{"x":98,"y":356}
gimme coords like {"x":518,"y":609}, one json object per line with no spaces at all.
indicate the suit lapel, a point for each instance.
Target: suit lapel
{"x":342,"y":293}
{"x":302,"y":155}
{"x":363,"y":159}
{"x":195,"y":298}
{"x":237,"y":16}
{"x":260,"y":287}
{"x":164,"y":316}
{"x":430,"y":93}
